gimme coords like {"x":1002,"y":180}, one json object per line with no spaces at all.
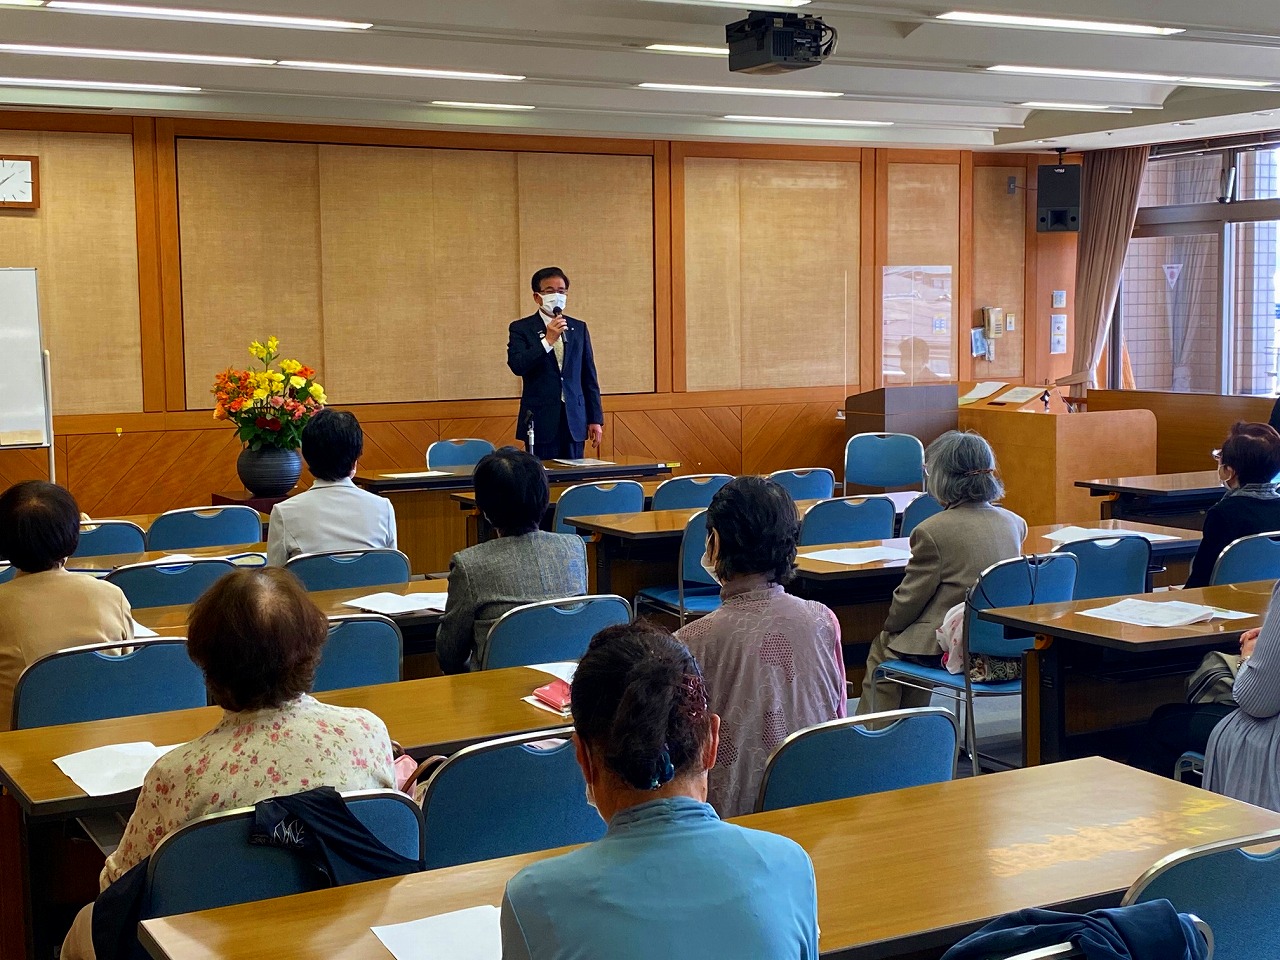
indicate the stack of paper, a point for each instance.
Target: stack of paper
{"x":471,"y":934}
{"x":104,"y":771}
{"x":417,"y":474}
{"x":981,"y":391}
{"x":1020,"y":395}
{"x":140,"y":632}
{"x":565,"y":714}
{"x":855,"y":556}
{"x":1168,"y":613}
{"x":585,"y":462}
{"x":1075,"y":534}
{"x":561,"y":670}
{"x":393,"y":604}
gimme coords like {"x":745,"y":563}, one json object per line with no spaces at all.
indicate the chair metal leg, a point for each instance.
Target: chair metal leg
{"x":971,"y":734}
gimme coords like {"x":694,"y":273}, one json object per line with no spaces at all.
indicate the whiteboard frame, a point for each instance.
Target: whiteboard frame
{"x":47,"y":371}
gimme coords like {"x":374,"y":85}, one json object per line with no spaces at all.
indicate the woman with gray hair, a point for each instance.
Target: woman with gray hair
{"x":948,"y":552}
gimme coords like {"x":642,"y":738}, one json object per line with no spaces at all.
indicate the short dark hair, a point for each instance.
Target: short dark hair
{"x":1252,"y":450}
{"x":257,"y":636}
{"x":639,"y":700}
{"x":758,"y":528}
{"x":547,"y":273}
{"x":39,"y":525}
{"x":511,"y":490}
{"x":332,"y":442}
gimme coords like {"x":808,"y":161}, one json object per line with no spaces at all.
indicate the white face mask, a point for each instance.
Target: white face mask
{"x":710,"y":567}
{"x":552,"y":300}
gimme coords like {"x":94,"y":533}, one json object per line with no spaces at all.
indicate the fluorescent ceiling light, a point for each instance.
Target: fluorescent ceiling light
{"x":374,"y":68}
{"x":1070,"y":72}
{"x":740,"y":91}
{"x":737,"y":3}
{"x":470,"y":105}
{"x":206,"y":16}
{"x":95,"y":85}
{"x":1056,"y":23}
{"x":21,"y":3}
{"x":688,"y":48}
{"x":96,"y":54}
{"x":815,"y":121}
{"x":1088,"y":107}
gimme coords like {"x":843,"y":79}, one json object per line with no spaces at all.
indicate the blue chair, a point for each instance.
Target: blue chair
{"x":362,"y":650}
{"x":596,"y":499}
{"x":204,"y":527}
{"x":168,"y":585}
{"x":1039,"y":578}
{"x":7,"y":572}
{"x":694,"y":592}
{"x":883,"y":460}
{"x":1069,"y":950}
{"x":842,"y":758}
{"x":345,"y":569}
{"x":1190,"y":762}
{"x":1255,"y":557}
{"x":848,"y":520}
{"x":814,"y":483}
{"x":102,"y":538}
{"x":86,"y":683}
{"x":551,"y":631}
{"x":504,"y":797}
{"x":693,"y":492}
{"x":209,"y":862}
{"x":444,"y":454}
{"x":1227,"y":887}
{"x":1110,"y":568}
{"x":921,"y":508}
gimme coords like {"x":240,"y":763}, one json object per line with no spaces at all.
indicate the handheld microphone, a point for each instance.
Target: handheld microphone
{"x":564,"y":334}
{"x":556,"y":312}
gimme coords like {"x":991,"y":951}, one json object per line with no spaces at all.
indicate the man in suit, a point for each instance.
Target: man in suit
{"x":551,"y":352}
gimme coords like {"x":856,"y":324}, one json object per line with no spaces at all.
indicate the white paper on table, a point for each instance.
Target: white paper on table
{"x":561,"y":670}
{"x":471,"y":934}
{"x":116,"y":768}
{"x":1075,"y":534}
{"x":1019,"y":395}
{"x":900,"y":499}
{"x":535,"y":702}
{"x":414,"y":475}
{"x":249,"y":559}
{"x":585,"y":462}
{"x":1168,"y":613}
{"x":174,"y":558}
{"x":982,"y":390}
{"x":140,"y":632}
{"x":853,"y":556}
{"x":391,"y":604}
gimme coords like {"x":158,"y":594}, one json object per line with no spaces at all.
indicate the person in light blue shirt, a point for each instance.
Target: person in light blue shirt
{"x":669,"y":878}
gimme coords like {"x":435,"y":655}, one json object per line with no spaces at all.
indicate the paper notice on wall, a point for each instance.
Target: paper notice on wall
{"x":1171,"y":273}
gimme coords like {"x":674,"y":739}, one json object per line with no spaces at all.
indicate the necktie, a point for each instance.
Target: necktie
{"x":558,"y":349}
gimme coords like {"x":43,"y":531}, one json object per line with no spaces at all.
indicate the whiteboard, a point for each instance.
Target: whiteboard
{"x":24,"y":413}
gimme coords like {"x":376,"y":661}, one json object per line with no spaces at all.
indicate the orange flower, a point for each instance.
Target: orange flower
{"x":219,"y":412}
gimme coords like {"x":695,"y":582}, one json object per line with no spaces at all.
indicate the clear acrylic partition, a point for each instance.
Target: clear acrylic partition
{"x":918,"y":335}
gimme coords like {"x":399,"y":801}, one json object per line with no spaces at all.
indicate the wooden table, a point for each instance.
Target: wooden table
{"x":107,"y":562}
{"x":1175,"y":499}
{"x":1073,"y":835}
{"x":1071,"y":648}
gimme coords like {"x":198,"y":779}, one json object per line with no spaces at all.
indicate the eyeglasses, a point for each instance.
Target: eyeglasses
{"x":1216,"y":454}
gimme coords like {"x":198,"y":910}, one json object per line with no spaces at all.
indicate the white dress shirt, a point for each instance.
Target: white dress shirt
{"x":332,"y":515}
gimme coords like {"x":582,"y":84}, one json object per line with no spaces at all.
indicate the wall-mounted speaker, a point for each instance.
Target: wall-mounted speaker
{"x":1058,"y":198}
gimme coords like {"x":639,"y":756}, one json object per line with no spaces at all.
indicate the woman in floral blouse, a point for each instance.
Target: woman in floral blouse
{"x":257,"y":636}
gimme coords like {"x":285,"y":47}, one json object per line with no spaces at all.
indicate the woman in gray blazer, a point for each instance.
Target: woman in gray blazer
{"x":948,"y":552}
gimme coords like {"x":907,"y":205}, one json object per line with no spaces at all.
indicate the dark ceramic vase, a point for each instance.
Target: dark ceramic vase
{"x":269,"y":471}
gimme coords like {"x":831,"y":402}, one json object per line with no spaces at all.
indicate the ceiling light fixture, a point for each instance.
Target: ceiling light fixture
{"x":379,"y":69}
{"x":1072,"y":73}
{"x":205,"y":16}
{"x":1057,"y":23}
{"x":21,"y":3}
{"x":814,"y":121}
{"x":95,"y":85}
{"x":1086,"y":107}
{"x":688,"y":48}
{"x":470,"y":105}
{"x":736,"y":3}
{"x":739,"y":91}
{"x":96,"y":54}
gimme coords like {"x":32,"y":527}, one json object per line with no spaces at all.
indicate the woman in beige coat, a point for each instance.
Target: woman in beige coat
{"x":948,"y":552}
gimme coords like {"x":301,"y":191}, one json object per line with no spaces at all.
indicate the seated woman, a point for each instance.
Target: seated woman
{"x":948,"y":552}
{"x":257,"y":637}
{"x":773,"y":662}
{"x":44,"y":608}
{"x":668,"y":879}
{"x":1247,"y":466}
{"x":522,"y":565}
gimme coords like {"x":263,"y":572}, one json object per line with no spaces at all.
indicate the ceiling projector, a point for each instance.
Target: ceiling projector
{"x":778,"y":42}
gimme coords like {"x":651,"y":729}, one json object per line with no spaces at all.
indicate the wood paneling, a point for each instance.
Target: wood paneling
{"x":999,"y":265}
{"x":786,"y":435}
{"x":703,"y":439}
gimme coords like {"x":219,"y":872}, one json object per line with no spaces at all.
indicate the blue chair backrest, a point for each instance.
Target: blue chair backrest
{"x":842,"y":758}
{"x":815,"y":483}
{"x":1215,"y":881}
{"x":595,"y":499}
{"x":1110,"y":568}
{"x":848,"y":520}
{"x":1256,"y":557}
{"x":7,"y":572}
{"x":921,"y":508}
{"x":85,"y":683}
{"x":104,"y":538}
{"x":204,"y":527}
{"x":1038,"y":578}
{"x":346,"y":569}
{"x":551,"y":631}
{"x":361,"y":650}
{"x":688,"y":493}
{"x":693,"y":544}
{"x":457,"y":453}
{"x":504,"y":797}
{"x":167,"y":585}
{"x":884,"y":460}
{"x":210,"y":863}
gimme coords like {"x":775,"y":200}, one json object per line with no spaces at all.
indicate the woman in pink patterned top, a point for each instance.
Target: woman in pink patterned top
{"x":257,"y":636}
{"x":772,"y":662}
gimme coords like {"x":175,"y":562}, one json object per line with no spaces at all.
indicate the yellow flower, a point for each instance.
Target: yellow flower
{"x":257,"y":350}
{"x":272,"y":344}
{"x":274,"y":376}
{"x":291,"y":367}
{"x":317,"y":393}
{"x":297,"y":382}
{"x":260,"y":394}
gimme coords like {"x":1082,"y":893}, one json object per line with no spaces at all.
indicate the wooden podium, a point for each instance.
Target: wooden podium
{"x":925,"y":411}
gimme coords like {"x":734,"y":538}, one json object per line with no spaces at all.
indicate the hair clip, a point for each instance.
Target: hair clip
{"x":975,"y":473}
{"x":666,"y":771}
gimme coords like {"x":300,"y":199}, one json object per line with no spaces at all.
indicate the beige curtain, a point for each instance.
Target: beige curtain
{"x":1109,"y":187}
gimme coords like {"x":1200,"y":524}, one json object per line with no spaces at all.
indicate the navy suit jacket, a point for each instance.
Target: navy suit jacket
{"x":529,"y":359}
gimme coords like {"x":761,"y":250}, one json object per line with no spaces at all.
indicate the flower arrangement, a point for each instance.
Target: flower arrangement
{"x":268,"y":407}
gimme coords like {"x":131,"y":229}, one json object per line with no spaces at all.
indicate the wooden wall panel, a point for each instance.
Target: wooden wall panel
{"x":787,"y":435}
{"x":19,"y":465}
{"x":703,"y":439}
{"x":999,"y":266}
